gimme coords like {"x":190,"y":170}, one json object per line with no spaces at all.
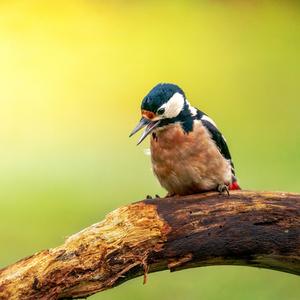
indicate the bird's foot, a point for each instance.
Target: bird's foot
{"x":150,"y":197}
{"x":222,"y":188}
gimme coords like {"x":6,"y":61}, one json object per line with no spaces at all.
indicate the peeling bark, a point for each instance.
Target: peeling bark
{"x":260,"y":229}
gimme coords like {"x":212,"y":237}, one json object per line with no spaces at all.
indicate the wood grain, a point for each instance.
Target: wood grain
{"x":258,"y":229}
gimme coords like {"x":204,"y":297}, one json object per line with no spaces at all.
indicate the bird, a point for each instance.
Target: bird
{"x":189,"y":154}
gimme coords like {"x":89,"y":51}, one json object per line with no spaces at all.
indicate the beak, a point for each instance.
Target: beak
{"x":144,"y":122}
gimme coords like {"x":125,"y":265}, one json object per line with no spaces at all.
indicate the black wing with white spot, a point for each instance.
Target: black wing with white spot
{"x":217,"y":137}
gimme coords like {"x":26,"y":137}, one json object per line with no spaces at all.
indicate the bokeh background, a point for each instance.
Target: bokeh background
{"x":72,"y":75}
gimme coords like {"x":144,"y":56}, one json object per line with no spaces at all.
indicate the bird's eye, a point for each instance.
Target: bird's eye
{"x":160,"y":111}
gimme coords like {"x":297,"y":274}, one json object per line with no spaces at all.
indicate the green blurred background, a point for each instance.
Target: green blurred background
{"x":72,"y":77}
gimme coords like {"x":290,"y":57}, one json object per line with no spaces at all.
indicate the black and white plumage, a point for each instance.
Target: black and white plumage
{"x":189,"y":154}
{"x":218,"y":138}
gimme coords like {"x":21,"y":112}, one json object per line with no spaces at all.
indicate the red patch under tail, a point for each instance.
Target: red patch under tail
{"x":234,"y":186}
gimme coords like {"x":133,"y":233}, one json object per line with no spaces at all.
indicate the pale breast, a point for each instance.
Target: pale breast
{"x":187,"y":163}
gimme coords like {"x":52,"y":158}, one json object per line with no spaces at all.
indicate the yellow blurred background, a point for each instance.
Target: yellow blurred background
{"x":72,"y":76}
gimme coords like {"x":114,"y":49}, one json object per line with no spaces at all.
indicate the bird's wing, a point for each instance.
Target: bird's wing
{"x":217,"y":137}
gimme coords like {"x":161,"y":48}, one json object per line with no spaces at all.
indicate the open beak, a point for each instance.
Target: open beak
{"x":150,"y":125}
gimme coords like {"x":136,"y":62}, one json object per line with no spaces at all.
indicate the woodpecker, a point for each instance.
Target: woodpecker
{"x":189,"y":154}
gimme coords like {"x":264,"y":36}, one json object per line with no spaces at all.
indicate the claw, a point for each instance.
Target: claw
{"x":222,"y":188}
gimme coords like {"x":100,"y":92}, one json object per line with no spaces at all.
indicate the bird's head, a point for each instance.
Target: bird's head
{"x":165,"y":101}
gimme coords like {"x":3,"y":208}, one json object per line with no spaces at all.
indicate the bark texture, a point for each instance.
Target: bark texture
{"x":260,"y":229}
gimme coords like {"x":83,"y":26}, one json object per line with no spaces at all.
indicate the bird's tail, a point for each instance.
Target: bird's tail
{"x":234,"y":186}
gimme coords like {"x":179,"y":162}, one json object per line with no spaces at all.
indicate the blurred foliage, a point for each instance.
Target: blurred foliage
{"x":72,"y":77}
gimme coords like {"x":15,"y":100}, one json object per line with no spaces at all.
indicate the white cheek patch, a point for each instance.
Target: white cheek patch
{"x":174,"y":106}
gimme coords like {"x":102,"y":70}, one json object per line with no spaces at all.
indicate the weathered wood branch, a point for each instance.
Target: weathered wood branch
{"x":260,"y":229}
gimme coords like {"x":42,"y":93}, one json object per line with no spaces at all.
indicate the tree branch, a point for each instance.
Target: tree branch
{"x":260,"y":229}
